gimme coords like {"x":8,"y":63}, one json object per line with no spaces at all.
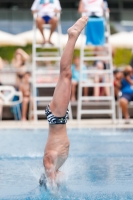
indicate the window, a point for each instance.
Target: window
{"x":128,"y":5}
{"x":15,"y":3}
{"x":28,"y":3}
{"x":113,"y":5}
{"x":69,"y":3}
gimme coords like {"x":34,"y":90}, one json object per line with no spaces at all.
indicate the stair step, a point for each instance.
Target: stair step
{"x":45,"y":85}
{"x":101,"y":98}
{"x":88,"y":84}
{"x":97,"y":72}
{"x":47,"y":58}
{"x":96,"y":112}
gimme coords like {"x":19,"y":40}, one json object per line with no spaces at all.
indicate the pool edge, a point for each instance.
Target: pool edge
{"x":91,"y":123}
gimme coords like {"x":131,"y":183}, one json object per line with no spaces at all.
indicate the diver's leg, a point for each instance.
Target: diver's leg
{"x":62,"y":92}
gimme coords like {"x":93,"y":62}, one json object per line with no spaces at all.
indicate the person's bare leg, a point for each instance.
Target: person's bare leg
{"x":40,"y":22}
{"x":107,"y":89}
{"x":62,"y":92}
{"x":24,"y":108}
{"x":53,"y":22}
{"x":73,"y":95}
{"x":85,"y":91}
{"x":124,"y":106}
{"x":96,"y":88}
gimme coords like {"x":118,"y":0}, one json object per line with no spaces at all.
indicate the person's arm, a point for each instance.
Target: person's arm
{"x":21,"y":89}
{"x":117,"y":84}
{"x":102,"y":4}
{"x":128,"y":78}
{"x":34,"y":8}
{"x":105,"y":7}
{"x":57,"y":11}
{"x":57,"y":7}
{"x":16,"y":63}
{"x":34,"y":11}
{"x":23,"y":53}
{"x":81,"y":8}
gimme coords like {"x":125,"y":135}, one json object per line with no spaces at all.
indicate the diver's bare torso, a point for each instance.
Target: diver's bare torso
{"x":57,"y":143}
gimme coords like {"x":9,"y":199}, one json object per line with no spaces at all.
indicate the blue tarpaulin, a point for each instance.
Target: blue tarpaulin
{"x":95,"y":31}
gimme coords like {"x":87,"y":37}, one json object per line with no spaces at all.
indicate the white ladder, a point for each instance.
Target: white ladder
{"x":84,"y":56}
{"x":44,"y":56}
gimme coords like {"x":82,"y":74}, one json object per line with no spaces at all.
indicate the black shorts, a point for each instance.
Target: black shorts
{"x":55,"y":120}
{"x":128,"y":97}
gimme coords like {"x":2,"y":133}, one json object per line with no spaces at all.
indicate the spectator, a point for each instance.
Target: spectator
{"x":117,"y":83}
{"x":25,"y":89}
{"x":76,"y":78}
{"x":46,"y":14}
{"x":19,"y":61}
{"x":127,"y":92}
{"x":100,"y":91}
{"x":95,"y":27}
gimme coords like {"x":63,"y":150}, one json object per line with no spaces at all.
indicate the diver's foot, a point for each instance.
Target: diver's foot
{"x":43,"y":181}
{"x":77,"y":28}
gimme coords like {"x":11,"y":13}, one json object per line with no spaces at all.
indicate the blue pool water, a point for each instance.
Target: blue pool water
{"x":99,"y":167}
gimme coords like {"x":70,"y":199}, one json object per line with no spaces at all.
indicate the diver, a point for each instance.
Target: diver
{"x":57,"y":146}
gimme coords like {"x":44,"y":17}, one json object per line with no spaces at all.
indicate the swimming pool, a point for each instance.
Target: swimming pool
{"x":99,"y":167}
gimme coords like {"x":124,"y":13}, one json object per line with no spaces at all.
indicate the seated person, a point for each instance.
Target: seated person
{"x":25,"y":89}
{"x":117,"y":83}
{"x":95,"y":27}
{"x":19,"y":60}
{"x":46,"y":14}
{"x":127,"y":92}
{"x":101,"y":78}
{"x":76,"y":78}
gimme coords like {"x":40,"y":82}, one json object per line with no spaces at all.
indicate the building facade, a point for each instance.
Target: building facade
{"x":14,"y":11}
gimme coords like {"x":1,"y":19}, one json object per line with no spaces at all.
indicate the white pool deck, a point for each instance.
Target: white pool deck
{"x":98,"y":123}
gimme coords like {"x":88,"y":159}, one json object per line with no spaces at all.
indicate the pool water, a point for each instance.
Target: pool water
{"x":99,"y":167}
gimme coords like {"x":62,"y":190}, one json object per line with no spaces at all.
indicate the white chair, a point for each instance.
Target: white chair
{"x":7,"y":93}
